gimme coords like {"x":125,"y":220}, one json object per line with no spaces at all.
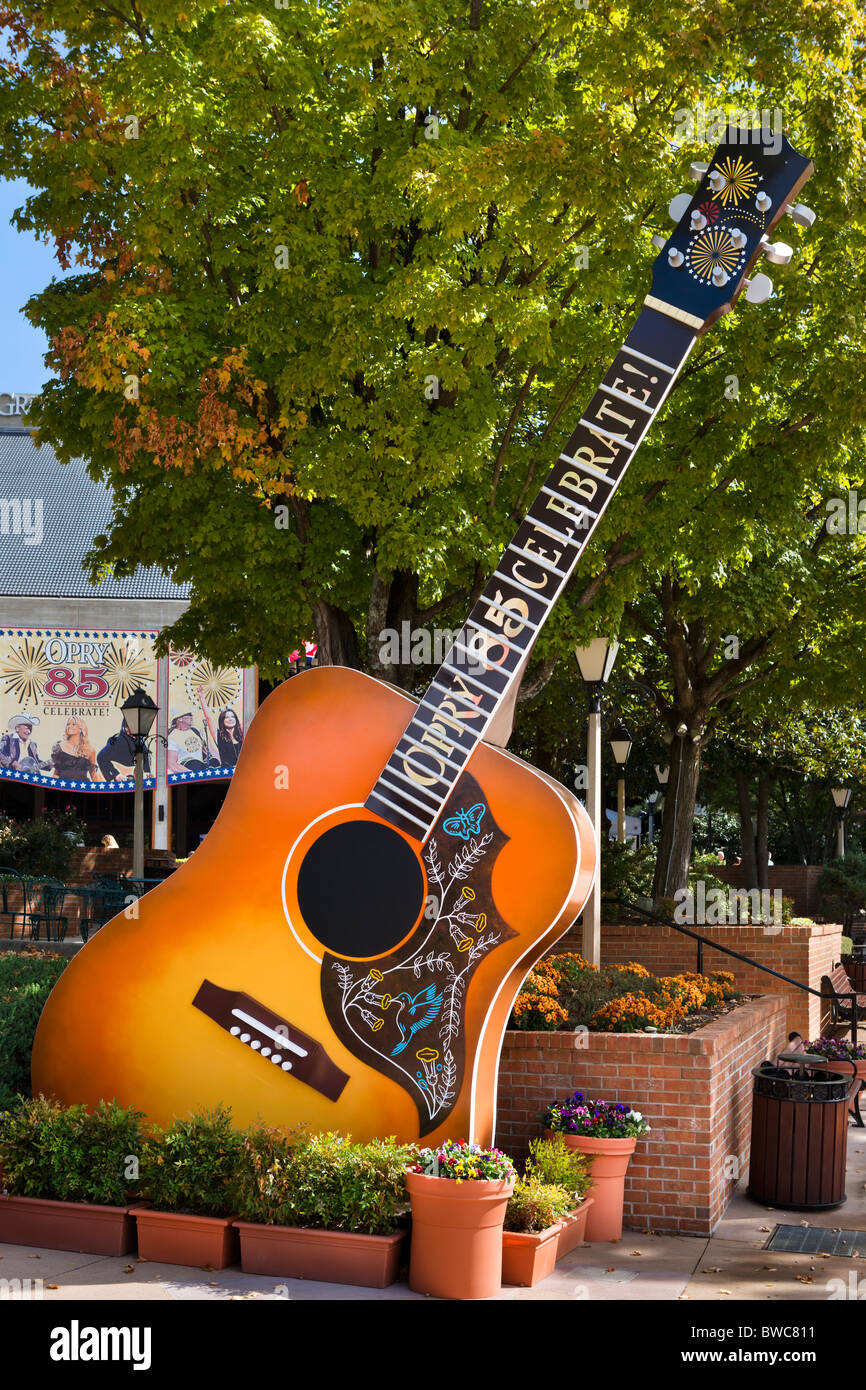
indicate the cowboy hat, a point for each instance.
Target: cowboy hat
{"x":22,"y":719}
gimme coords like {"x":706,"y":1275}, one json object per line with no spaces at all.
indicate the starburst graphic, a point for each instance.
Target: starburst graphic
{"x":740,"y":180}
{"x":127,"y":669}
{"x":710,"y":211}
{"x":182,"y":657}
{"x":711,"y":249}
{"x":25,"y":671}
{"x":217,"y":685}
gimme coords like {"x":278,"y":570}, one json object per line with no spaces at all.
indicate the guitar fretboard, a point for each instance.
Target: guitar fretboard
{"x":490,"y":650}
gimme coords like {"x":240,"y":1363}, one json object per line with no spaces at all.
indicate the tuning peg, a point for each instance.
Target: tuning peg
{"x":716,"y":181}
{"x":678,"y":206}
{"x":777,"y":252}
{"x":738,"y":238}
{"x":698,"y":221}
{"x":697,"y":169}
{"x":763,"y":203}
{"x":720,"y":277}
{"x":759,"y":289}
{"x":675,"y":258}
{"x":659,"y":241}
{"x":799,"y":213}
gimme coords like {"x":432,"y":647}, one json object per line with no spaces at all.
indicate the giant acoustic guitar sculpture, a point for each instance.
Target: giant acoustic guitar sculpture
{"x":344,"y":952}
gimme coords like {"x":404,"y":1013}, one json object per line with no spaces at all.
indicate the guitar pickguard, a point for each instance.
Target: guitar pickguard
{"x":406,"y":1014}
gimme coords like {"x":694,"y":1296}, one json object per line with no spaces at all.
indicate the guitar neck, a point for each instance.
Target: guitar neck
{"x":491,"y":649}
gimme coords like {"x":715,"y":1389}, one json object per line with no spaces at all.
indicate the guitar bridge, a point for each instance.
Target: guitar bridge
{"x":272,"y":1037}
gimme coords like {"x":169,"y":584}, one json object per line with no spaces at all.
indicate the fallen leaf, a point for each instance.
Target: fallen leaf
{"x":805,"y":1279}
{"x":611,"y":1269}
{"x":52,"y":1286}
{"x":763,"y":1228}
{"x":635,"y":1252}
{"x":712,"y":1269}
{"x":34,"y":1257}
{"x":208,"y":1269}
{"x":129,"y":1269}
{"x":213,"y":1284}
{"x":724,"y":1291}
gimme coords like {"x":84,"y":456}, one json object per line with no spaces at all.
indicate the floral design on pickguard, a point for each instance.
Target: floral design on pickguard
{"x":405,"y":1014}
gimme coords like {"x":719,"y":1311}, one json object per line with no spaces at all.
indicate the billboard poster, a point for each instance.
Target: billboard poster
{"x":204,"y":729}
{"x":60,"y":725}
{"x":60,"y":722}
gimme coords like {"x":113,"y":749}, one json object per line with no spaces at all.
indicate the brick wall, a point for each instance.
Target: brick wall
{"x":797,"y":881}
{"x":802,"y":952}
{"x":695,"y":1091}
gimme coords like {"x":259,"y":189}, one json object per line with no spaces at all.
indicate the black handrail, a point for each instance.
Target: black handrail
{"x":738,"y":955}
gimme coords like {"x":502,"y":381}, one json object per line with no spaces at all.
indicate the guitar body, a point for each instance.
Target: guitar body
{"x":311,"y":964}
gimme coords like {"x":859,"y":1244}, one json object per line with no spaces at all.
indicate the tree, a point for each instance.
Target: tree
{"x":347,"y":272}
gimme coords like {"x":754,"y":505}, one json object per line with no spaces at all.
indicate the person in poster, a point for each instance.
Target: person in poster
{"x":74,"y":757}
{"x":18,"y":750}
{"x":187,"y":749}
{"x":228,"y":735}
{"x":120,"y":748}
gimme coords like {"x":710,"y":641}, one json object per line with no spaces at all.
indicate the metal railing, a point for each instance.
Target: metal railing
{"x":702,"y":941}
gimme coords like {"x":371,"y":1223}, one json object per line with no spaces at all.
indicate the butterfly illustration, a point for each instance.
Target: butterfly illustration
{"x":465,"y":823}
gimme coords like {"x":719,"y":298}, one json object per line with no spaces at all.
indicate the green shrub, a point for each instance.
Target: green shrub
{"x":534,"y":1205}
{"x":68,"y":1153}
{"x":552,"y":1162}
{"x":324,"y":1181}
{"x":40,"y":848}
{"x":194,"y":1165}
{"x":842,"y":886}
{"x":26,"y":980}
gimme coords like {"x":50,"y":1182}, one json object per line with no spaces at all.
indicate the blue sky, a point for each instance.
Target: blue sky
{"x":27,"y":266}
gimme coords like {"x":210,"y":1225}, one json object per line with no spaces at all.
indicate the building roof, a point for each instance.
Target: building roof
{"x":75,"y":510}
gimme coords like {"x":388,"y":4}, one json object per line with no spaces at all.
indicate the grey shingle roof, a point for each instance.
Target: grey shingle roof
{"x":75,"y":509}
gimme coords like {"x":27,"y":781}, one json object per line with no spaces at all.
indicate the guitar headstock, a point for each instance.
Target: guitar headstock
{"x":721,"y":230}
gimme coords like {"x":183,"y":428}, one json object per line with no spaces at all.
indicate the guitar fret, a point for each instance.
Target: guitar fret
{"x":536,"y":559}
{"x":652,"y":361}
{"x":618,"y":439}
{"x":509,"y":612}
{"x":569,"y":501}
{"x":392,"y":771}
{"x":398,"y":791}
{"x":454,"y":727}
{"x":444,"y":756}
{"x":464,"y":676}
{"x":400,"y":812}
{"x":458,"y":695}
{"x":496,"y":638}
{"x":550,"y":531}
{"x":530,"y":593}
{"x":629,"y":400}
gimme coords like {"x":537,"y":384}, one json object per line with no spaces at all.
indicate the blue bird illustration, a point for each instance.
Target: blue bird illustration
{"x":420,"y":1009}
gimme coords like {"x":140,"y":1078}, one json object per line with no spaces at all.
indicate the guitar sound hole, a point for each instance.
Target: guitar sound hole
{"x":360,"y":888}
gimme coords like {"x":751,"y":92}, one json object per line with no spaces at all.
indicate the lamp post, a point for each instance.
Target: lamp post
{"x":620,"y":746}
{"x":139,"y":711}
{"x":841,"y":796}
{"x":595,"y":663}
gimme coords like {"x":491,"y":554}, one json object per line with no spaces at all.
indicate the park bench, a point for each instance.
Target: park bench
{"x":837,"y":986}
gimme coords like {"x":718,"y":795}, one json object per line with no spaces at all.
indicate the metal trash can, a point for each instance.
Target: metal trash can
{"x":799,"y":1133}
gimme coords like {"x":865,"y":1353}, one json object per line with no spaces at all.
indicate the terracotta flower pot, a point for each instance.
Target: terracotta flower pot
{"x":177,"y":1238}
{"x":457,"y":1233}
{"x":331,"y":1257}
{"x":529,"y":1256}
{"x":610,"y":1160}
{"x":572,"y":1231}
{"x":844,"y":1069}
{"x":53,"y":1225}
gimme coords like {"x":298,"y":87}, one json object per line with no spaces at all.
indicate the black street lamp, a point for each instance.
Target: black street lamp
{"x":841,"y":796}
{"x":139,"y":712}
{"x":595,"y":663}
{"x":620,"y":746}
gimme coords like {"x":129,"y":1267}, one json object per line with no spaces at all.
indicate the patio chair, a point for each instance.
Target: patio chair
{"x":13,"y":884}
{"x":48,"y":899}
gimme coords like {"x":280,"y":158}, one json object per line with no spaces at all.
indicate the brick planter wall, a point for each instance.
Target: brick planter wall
{"x":695,"y":1091}
{"x":802,"y":952}
{"x":797,"y":881}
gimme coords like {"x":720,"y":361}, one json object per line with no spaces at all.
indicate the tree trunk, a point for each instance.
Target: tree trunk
{"x":747,"y":835}
{"x":336,"y":636}
{"x":675,"y":842}
{"x":762,"y":851}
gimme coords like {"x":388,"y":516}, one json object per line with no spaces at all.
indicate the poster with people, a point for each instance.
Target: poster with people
{"x":60,"y":692}
{"x":60,"y":719}
{"x":205,"y":725}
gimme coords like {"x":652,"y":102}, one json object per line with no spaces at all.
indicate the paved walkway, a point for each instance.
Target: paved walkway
{"x":732,"y":1264}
